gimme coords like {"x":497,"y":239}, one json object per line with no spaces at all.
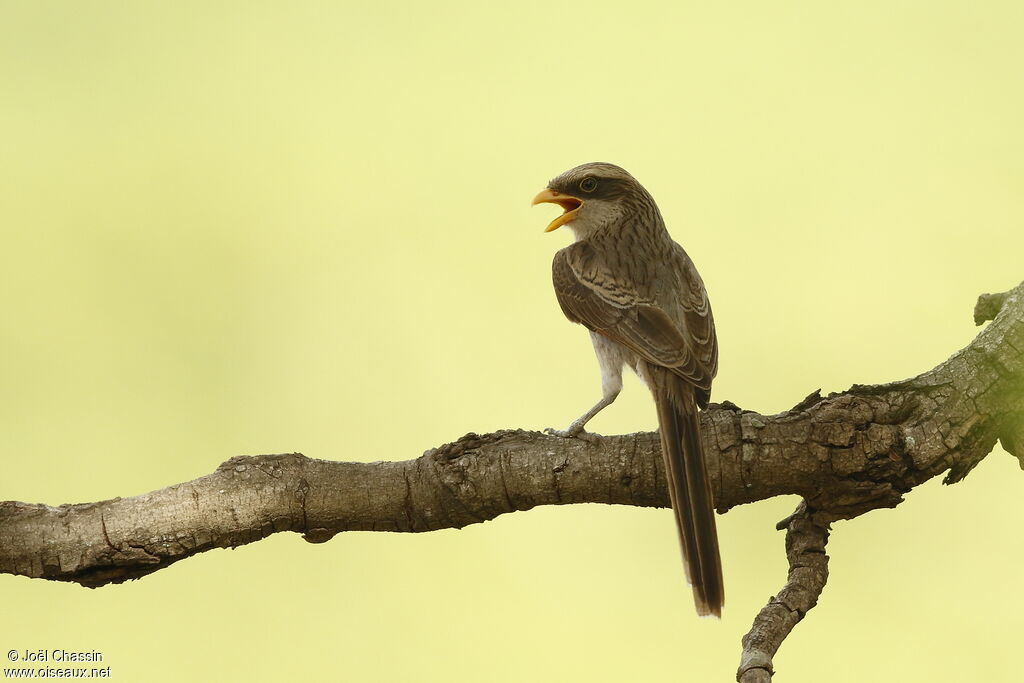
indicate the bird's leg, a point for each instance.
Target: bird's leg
{"x":610,"y":361}
{"x":579,"y":423}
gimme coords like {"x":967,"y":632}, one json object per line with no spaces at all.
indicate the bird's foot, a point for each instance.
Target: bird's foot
{"x":573,"y":431}
{"x":564,"y":433}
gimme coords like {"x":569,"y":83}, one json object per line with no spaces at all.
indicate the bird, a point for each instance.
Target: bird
{"x":637,"y":291}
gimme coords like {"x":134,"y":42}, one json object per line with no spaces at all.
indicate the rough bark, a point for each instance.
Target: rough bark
{"x":844,"y":454}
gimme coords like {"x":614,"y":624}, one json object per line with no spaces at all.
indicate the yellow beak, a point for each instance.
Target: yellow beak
{"x":569,"y":204}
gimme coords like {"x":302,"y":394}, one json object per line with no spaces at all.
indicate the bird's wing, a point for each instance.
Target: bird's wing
{"x":697,"y":317}
{"x":610,"y":307}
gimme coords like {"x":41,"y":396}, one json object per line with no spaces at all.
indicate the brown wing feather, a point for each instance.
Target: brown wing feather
{"x":698,"y":320}
{"x":697,"y":316}
{"x":640,"y":326}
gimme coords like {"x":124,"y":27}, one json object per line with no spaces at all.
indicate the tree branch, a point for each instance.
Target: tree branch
{"x":844,"y":454}
{"x":808,"y":572}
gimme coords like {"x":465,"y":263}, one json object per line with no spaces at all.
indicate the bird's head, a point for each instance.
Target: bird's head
{"x":593,"y":196}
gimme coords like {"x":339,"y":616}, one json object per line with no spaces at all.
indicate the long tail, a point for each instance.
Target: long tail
{"x":688,"y":487}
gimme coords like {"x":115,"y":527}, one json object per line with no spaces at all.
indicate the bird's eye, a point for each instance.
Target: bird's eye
{"x":588,"y":184}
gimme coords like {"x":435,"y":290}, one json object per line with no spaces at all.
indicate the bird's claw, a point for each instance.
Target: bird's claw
{"x":571,"y":433}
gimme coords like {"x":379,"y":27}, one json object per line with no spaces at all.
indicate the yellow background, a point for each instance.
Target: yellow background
{"x":239,"y":228}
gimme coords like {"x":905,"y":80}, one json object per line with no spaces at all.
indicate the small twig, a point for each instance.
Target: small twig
{"x":808,"y":572}
{"x":988,"y":307}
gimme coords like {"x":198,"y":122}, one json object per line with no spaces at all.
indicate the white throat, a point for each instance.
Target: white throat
{"x":594,"y":215}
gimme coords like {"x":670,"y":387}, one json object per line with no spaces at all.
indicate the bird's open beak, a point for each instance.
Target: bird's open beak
{"x":568,"y":203}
